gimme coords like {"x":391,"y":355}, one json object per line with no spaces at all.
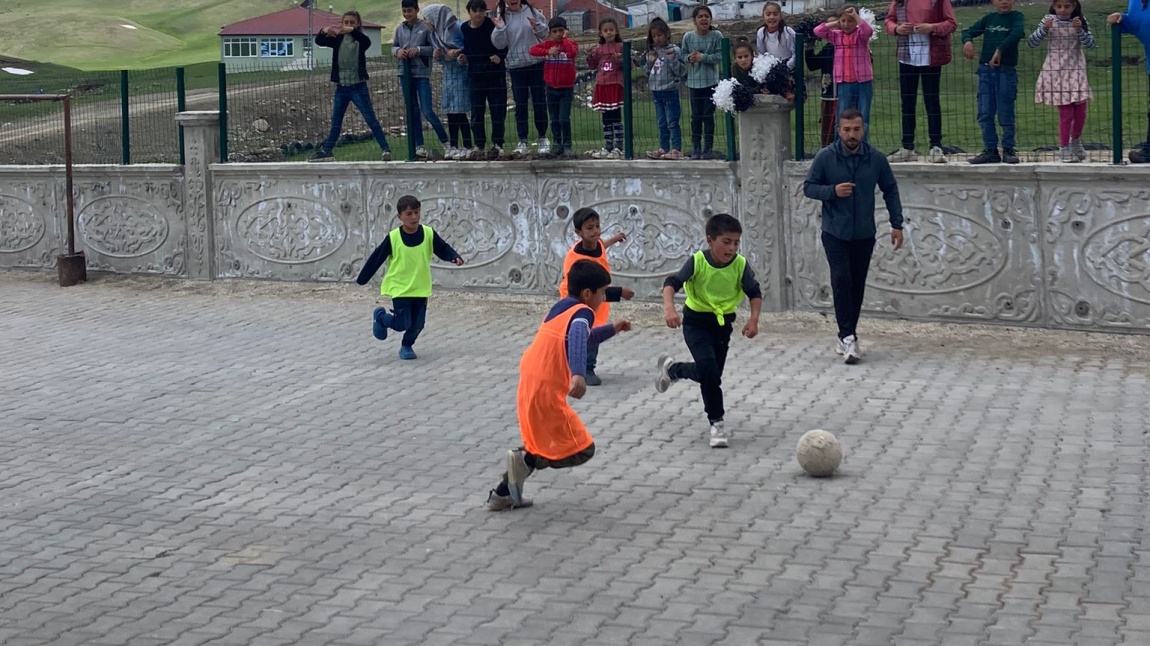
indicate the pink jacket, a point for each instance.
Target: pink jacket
{"x":852,"y":52}
{"x":916,"y":12}
{"x":610,"y":71}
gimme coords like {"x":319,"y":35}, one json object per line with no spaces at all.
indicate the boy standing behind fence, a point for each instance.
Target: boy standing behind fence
{"x":487,"y":74}
{"x":349,"y":73}
{"x":558,"y":53}
{"x":1001,"y":31}
{"x":412,"y":46}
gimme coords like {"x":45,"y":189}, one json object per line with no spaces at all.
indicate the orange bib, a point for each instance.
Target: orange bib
{"x":547,"y":423}
{"x":603,"y":312}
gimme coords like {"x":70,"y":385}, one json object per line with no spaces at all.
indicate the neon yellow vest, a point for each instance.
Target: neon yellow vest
{"x":711,"y":289}
{"x":409,"y":268}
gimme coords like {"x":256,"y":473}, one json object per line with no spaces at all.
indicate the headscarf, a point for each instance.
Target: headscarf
{"x":445,"y":26}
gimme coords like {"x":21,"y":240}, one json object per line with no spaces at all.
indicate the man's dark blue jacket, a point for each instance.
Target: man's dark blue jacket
{"x":852,"y":218}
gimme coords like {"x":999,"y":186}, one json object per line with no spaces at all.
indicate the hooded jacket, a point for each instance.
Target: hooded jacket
{"x":1136,"y":21}
{"x":852,"y":218}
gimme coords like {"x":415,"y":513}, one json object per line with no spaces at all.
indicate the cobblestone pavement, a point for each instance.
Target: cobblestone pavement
{"x":242,"y":463}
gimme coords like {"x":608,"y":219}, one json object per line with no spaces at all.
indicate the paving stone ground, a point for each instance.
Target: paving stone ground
{"x":242,"y":463}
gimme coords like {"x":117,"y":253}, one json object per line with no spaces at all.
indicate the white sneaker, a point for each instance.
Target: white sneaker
{"x":936,"y":156}
{"x":850,"y":349}
{"x":462,"y":153}
{"x":719,"y":438}
{"x":1066,"y":155}
{"x":544,"y":146}
{"x":602,"y":153}
{"x":615,"y":154}
{"x":421,"y":151}
{"x":517,"y":472}
{"x":1078,"y":149}
{"x":521,"y":149}
{"x":449,"y":152}
{"x":663,"y":376}
{"x":902,"y":155}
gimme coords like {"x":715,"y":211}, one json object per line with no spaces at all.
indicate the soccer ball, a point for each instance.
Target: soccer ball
{"x":819,"y":453}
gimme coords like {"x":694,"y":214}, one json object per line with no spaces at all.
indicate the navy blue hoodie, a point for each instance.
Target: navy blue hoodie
{"x":852,"y":218}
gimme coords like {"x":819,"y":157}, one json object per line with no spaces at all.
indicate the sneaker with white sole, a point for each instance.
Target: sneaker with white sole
{"x":1066,"y":155}
{"x":521,"y":149}
{"x":615,"y":154}
{"x":663,"y":373}
{"x":544,"y":145}
{"x":517,"y":472}
{"x":421,"y":152}
{"x":1078,"y":149}
{"x":719,"y":437}
{"x":495,"y":502}
{"x":602,"y":153}
{"x":850,"y":349}
{"x":902,"y":155}
{"x":449,"y":152}
{"x":936,"y":155}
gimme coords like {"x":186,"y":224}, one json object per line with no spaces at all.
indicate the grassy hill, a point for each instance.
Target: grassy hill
{"x":91,"y":35}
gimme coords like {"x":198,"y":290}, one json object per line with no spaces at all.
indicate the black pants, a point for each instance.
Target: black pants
{"x":908,"y":78}
{"x":849,"y":261}
{"x":457,"y":129}
{"x":702,"y":118}
{"x":488,"y":89}
{"x":410,"y":316}
{"x":708,"y":343}
{"x":559,"y":108}
{"x":537,"y":462}
{"x":529,"y":81}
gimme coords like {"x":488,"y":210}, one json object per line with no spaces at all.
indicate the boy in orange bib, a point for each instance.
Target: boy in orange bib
{"x":552,"y":368}
{"x":592,"y":247}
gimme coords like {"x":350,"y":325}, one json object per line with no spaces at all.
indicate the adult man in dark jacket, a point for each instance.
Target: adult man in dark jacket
{"x":843,"y":177}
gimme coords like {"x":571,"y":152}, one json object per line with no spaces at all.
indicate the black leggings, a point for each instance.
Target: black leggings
{"x":908,"y":77}
{"x":702,"y":118}
{"x":457,"y":125}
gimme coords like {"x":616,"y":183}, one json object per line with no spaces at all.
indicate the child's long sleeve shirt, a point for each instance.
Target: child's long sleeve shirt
{"x":1039,"y":34}
{"x":419,"y":37}
{"x":852,"y":52}
{"x":1001,"y":32}
{"x":440,"y":248}
{"x":579,"y":333}
{"x":602,"y":59}
{"x":558,"y":69}
{"x":705,"y":73}
{"x":666,"y":71}
{"x":749,"y":283}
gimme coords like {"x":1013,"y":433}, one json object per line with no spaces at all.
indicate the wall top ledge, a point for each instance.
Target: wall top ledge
{"x":94,"y":169}
{"x":198,"y":118}
{"x":622,"y":169}
{"x":1007,"y":172}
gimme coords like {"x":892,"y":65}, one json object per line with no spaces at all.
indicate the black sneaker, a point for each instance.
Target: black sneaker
{"x":592,"y":379}
{"x":1141,"y":154}
{"x":988,"y":156}
{"x":1009,"y":156}
{"x":320,"y":155}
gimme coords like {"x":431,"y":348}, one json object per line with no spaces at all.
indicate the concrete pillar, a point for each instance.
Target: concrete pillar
{"x":764,"y":148}
{"x":201,"y":148}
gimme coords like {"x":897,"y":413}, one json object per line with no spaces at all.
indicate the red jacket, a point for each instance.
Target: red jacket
{"x":558,"y":69}
{"x":937,"y":12}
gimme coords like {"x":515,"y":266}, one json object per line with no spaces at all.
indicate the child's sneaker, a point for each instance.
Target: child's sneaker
{"x":421,"y":152}
{"x":719,"y":437}
{"x":1066,"y":155}
{"x":495,"y":502}
{"x":1078,"y":149}
{"x":656,"y":154}
{"x":495,"y":154}
{"x":592,"y":379}
{"x":1009,"y":156}
{"x":663,"y":374}
{"x":517,"y":472}
{"x":615,"y":154}
{"x":902,"y":155}
{"x":850,"y":350}
{"x":521,"y":149}
{"x":602,"y":153}
{"x":936,"y":155}
{"x":1140,"y":154}
{"x":380,"y":321}
{"x":674,"y":155}
{"x":406,"y":352}
{"x":449,"y":152}
{"x":385,"y":156}
{"x":321,"y":156}
{"x":988,"y":156}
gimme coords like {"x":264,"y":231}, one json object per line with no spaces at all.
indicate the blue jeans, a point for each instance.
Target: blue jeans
{"x":424,"y":106}
{"x":357,"y":94}
{"x":668,"y":111}
{"x":858,"y":96}
{"x":559,"y":110}
{"x":409,"y":315}
{"x":997,"y":90}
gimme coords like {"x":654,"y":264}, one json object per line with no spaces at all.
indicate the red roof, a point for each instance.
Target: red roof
{"x":289,"y":22}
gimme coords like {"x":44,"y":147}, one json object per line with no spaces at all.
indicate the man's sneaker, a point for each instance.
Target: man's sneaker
{"x":988,"y":156}
{"x":936,"y":156}
{"x":719,"y":437}
{"x":421,"y":152}
{"x":1009,"y":156}
{"x":850,"y":349}
{"x":521,"y":149}
{"x":517,"y":472}
{"x":663,"y":373}
{"x":902,"y":155}
{"x":1078,"y":149}
{"x":1066,"y":155}
{"x":380,"y":321}
{"x":385,"y":156}
{"x":1140,"y":154}
{"x":592,"y":379}
{"x":406,"y":352}
{"x":544,"y":145}
{"x":495,"y":502}
{"x":321,"y":156}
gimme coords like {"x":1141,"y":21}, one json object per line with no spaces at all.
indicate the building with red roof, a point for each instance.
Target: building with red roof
{"x":285,"y":39}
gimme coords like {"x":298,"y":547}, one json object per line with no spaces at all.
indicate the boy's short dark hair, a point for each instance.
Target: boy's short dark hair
{"x":586,"y":274}
{"x":558,"y":22}
{"x":850,"y":114}
{"x":582,"y":216}
{"x":407,"y":201}
{"x":409,"y":4}
{"x":721,"y":223}
{"x":476,"y":5}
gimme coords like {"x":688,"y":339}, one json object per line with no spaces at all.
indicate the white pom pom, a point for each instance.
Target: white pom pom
{"x":763,"y":64}
{"x":868,"y":15}
{"x":722,"y":96}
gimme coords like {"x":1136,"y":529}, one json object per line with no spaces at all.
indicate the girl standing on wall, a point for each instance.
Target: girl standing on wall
{"x":518,"y":28}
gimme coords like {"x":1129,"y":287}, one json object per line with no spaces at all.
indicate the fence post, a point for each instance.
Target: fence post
{"x":125,"y":134}
{"x":628,"y":127}
{"x":728,"y":119}
{"x":204,"y":135}
{"x":1116,"y":91}
{"x":409,"y":108}
{"x":181,"y":105}
{"x":223,"y":101}
{"x":800,"y":79}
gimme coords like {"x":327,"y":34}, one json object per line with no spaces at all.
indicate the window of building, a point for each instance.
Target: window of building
{"x":277,"y":47}
{"x":242,"y":46}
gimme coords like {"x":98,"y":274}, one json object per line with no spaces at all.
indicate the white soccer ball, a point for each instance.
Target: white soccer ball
{"x":819,"y":453}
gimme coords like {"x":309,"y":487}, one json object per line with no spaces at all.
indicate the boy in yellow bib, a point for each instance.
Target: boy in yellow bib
{"x":407,"y":250}
{"x":716,"y":280}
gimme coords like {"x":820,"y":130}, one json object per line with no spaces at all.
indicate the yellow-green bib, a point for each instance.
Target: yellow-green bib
{"x":409,"y":268}
{"x":711,"y":289}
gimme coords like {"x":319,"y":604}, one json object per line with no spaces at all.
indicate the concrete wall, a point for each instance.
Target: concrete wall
{"x":1043,"y":245}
